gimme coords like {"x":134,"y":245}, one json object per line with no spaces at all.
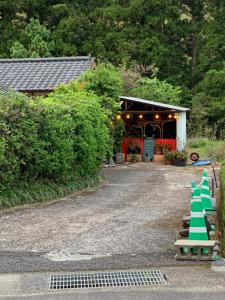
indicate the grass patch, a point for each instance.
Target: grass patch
{"x":213,"y":150}
{"x":41,"y":191}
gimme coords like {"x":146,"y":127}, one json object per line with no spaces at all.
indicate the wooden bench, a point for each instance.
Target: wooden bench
{"x":195,"y":250}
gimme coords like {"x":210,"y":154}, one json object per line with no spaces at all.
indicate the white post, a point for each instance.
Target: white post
{"x":181,"y":130}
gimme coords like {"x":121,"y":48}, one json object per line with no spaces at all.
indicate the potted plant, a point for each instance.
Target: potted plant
{"x":158,"y":149}
{"x":134,"y":149}
{"x":180,"y":158}
{"x":133,"y":158}
{"x":169,"y":157}
{"x":166,"y":148}
{"x":134,"y":153}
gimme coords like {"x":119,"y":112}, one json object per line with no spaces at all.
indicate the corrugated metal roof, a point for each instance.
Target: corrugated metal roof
{"x":41,"y":74}
{"x":153,"y":103}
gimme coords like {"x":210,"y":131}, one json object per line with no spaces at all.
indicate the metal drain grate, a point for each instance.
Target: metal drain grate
{"x":106,"y":279}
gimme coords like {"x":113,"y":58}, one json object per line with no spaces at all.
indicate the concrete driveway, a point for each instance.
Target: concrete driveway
{"x":131,"y":221}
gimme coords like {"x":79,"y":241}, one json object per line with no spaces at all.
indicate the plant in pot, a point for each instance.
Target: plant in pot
{"x":158,"y":149}
{"x":133,"y":158}
{"x":166,"y":148}
{"x":169,"y":157}
{"x":180,"y":158}
{"x":134,"y":149}
{"x":134,"y":153}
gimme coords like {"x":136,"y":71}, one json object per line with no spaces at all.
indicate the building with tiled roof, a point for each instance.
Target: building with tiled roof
{"x":39,"y":76}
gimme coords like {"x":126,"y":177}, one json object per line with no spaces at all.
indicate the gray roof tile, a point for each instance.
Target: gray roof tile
{"x":41,"y":74}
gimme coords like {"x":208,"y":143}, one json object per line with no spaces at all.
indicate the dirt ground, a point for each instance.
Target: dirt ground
{"x":132,"y":220}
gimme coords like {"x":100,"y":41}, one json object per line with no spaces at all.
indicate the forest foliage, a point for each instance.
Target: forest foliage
{"x":177,"y":41}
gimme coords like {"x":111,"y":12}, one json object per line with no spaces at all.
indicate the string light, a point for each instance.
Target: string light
{"x":157,"y":117}
{"x":170,"y":116}
{"x":175,"y":116}
{"x":128,"y":116}
{"x":140,"y":116}
{"x":118,"y":117}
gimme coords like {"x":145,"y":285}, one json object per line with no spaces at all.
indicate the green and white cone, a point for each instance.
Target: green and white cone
{"x":195,"y":195}
{"x":204,"y":176}
{"x":193,"y":187}
{"x":205,"y":195}
{"x":197,"y":230}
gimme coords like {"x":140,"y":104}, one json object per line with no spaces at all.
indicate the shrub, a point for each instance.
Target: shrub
{"x":62,"y":137}
{"x":83,"y":130}
{"x":117,"y":129}
{"x":222,"y":208}
{"x":197,"y":142}
{"x":19,"y":142}
{"x":104,"y":80}
{"x":217,"y":151}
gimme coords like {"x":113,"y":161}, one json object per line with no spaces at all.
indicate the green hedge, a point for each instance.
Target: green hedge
{"x":42,"y":190}
{"x":59,"y":138}
{"x":222,"y":208}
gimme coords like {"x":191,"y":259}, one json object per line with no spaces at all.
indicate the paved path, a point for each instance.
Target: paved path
{"x":190,"y":282}
{"x":130,"y":222}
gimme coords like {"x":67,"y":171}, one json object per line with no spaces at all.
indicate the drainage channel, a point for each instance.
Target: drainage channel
{"x":106,"y":279}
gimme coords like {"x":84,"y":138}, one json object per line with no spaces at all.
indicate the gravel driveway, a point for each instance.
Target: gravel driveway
{"x":131,"y":221}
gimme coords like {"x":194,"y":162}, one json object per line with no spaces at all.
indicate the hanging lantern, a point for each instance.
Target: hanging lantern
{"x":156,"y":117}
{"x":118,"y":117}
{"x":140,"y":116}
{"x":128,"y":116}
{"x":170,"y":116}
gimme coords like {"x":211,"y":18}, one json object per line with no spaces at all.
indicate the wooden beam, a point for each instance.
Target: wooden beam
{"x":148,"y":112}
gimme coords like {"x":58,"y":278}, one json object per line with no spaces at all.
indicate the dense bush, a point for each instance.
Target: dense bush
{"x":20,"y":145}
{"x":222,"y":208}
{"x":197,"y":142}
{"x":60,"y":138}
{"x":106,"y":81}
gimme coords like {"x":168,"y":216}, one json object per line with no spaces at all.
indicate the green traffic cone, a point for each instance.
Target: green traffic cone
{"x":205,"y":175}
{"x":197,"y":230}
{"x":205,"y":195}
{"x":193,"y":187}
{"x":196,"y":197}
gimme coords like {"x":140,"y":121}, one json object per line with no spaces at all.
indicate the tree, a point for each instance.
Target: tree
{"x":18,"y":50}
{"x":178,"y":41}
{"x":211,"y":47}
{"x":106,"y":82}
{"x":210,"y":98}
{"x":37,"y":41}
{"x":157,"y":90}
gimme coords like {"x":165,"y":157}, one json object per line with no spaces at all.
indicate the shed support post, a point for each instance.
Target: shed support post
{"x":181,"y":131}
